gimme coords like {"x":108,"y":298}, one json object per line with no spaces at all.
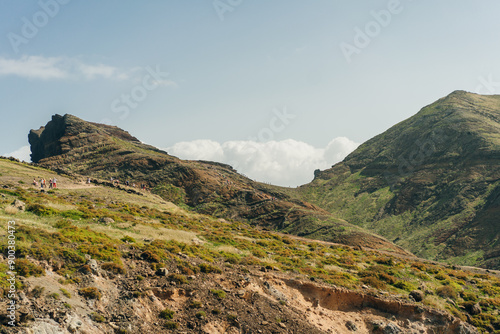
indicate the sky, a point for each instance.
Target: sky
{"x":275,"y":88}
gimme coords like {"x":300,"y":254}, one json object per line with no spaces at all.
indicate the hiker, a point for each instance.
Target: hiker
{"x":50,"y":184}
{"x":35,"y":184}
{"x":54,"y":183}
{"x":43,"y":183}
{"x":88,"y":180}
{"x":127,"y":183}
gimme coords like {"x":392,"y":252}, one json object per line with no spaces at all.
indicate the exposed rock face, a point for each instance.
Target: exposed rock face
{"x":64,"y":133}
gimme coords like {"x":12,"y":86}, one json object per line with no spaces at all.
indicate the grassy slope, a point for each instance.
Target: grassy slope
{"x":62,"y":227}
{"x":209,"y":188}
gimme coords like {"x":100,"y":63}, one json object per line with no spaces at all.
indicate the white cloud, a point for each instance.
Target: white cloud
{"x":53,"y":68}
{"x":33,"y":67}
{"x":287,"y":162}
{"x":22,"y":154}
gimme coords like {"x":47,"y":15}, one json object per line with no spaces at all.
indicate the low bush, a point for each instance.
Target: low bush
{"x":90,"y":293}
{"x":113,"y":267}
{"x":167,"y":314}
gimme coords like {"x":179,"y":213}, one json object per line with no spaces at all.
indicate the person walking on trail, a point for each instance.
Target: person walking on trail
{"x":50,"y":183}
{"x":43,"y":183}
{"x":54,"y":183}
{"x":35,"y":183}
{"x":88,"y":180}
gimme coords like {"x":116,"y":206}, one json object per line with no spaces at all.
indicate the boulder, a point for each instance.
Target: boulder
{"x":20,"y":205}
{"x":417,"y":295}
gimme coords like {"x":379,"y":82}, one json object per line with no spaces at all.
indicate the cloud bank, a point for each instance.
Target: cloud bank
{"x":22,"y":154}
{"x":286,"y":163}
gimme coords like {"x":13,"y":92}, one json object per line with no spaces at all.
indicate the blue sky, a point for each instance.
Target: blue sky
{"x":229,"y":68}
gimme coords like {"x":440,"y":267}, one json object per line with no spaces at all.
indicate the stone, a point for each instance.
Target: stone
{"x":106,"y":220}
{"x":417,"y":295}
{"x":162,"y":272}
{"x":475,"y":309}
{"x":20,"y":205}
{"x":392,"y":329}
{"x":93,"y":265}
{"x":351,"y":326}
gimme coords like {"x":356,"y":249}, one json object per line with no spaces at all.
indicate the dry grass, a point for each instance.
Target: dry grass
{"x":140,"y":232}
{"x":11,"y":210}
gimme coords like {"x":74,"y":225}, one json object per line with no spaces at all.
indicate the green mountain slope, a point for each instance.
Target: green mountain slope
{"x":70,"y":145}
{"x":431,"y":183}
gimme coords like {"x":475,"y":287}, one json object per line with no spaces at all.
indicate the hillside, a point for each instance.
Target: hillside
{"x":100,"y":258}
{"x":70,"y":145}
{"x":430,"y":184}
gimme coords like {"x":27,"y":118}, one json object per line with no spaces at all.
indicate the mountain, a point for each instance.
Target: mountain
{"x":431,"y":183}
{"x":96,"y":258}
{"x":70,"y":145}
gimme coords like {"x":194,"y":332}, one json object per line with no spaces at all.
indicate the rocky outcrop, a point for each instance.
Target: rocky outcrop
{"x":64,"y":133}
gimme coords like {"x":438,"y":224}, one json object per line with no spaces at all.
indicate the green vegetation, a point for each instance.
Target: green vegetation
{"x":167,"y":314}
{"x":169,"y":232}
{"x":65,"y":293}
{"x":90,"y":293}
{"x":220,"y":294}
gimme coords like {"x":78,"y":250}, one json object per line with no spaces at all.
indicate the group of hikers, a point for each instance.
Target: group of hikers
{"x":43,"y":183}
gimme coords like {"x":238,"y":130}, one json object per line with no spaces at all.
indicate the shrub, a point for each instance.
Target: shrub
{"x":113,"y":267}
{"x":404,"y":285}
{"x":201,"y":314}
{"x":220,"y":294}
{"x":171,"y":325}
{"x":150,"y":256}
{"x":196,"y":304}
{"x":73,"y":214}
{"x":216,"y":311}
{"x":54,"y":295}
{"x":373,"y":282}
{"x":442,"y":276}
{"x":128,"y":239}
{"x":97,"y":317}
{"x":181,"y":279}
{"x":385,"y":260}
{"x":447,"y":291}
{"x":26,"y":268}
{"x":65,"y":293}
{"x":167,"y":314}
{"x":209,"y":268}
{"x":90,"y":293}
{"x":41,"y":210}
{"x":468,"y":296}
